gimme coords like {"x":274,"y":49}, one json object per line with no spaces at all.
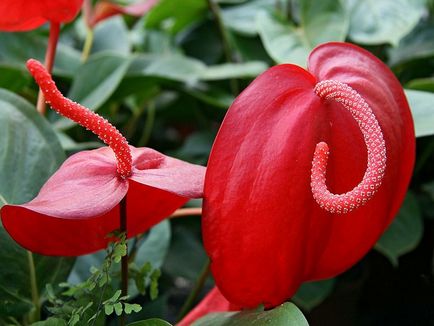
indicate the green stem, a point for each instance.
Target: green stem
{"x":36,"y":313}
{"x":50,"y":55}
{"x":215,"y":9}
{"x":87,"y":45}
{"x":200,"y":282}
{"x":150,"y":119}
{"x":124,"y":261}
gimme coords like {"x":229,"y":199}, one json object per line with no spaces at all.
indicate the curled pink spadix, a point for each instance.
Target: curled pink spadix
{"x":375,"y":144}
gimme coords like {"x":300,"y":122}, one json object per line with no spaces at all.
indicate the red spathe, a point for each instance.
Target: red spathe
{"x":24,"y":15}
{"x":79,"y":205}
{"x":262,"y":228}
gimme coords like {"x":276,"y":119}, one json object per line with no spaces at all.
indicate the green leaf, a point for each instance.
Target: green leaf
{"x":320,"y":22}
{"x":383,"y":21}
{"x":155,"y":247}
{"x":234,"y":70}
{"x":419,"y":44}
{"x":30,"y":154}
{"x":422,"y":109}
{"x":129,"y":308}
{"x":405,"y":232}
{"x":30,"y":149}
{"x":118,"y":308}
{"x":311,"y":294}
{"x":112,"y":35}
{"x":283,"y":315}
{"x":108,"y":309}
{"x":95,"y":81}
{"x":171,"y":16}
{"x":17,"y":48}
{"x":150,"y":322}
{"x":51,"y":322}
{"x":242,"y":18}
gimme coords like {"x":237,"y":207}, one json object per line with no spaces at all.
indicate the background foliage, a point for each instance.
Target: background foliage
{"x":166,"y":80}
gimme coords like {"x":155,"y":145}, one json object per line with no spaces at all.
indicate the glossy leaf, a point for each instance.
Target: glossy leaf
{"x":283,"y":315}
{"x":419,"y":44}
{"x":241,"y":18}
{"x":29,"y":147}
{"x":31,"y":150}
{"x":405,"y":232}
{"x":311,"y":294}
{"x":17,"y":48}
{"x":320,"y":22}
{"x":383,"y":21}
{"x":150,"y":322}
{"x":112,"y":35}
{"x":422,"y":108}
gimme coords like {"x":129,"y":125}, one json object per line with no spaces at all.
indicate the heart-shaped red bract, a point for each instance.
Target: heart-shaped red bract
{"x":262,"y":228}
{"x":79,"y":205}
{"x":24,"y":15}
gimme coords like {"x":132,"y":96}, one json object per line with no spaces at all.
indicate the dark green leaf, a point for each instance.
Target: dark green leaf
{"x":172,"y":16}
{"x":51,"y":322}
{"x":31,"y":153}
{"x":405,"y":232}
{"x":385,"y":21}
{"x":286,"y":314}
{"x":422,"y":108}
{"x":150,"y":322}
{"x":311,"y":294}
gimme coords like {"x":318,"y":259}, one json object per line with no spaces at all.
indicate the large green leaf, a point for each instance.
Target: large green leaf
{"x":422,"y":109}
{"x":311,"y":294}
{"x":30,"y":151}
{"x":383,"y":21}
{"x":286,"y":314}
{"x":30,"y":154}
{"x":17,"y":48}
{"x":95,"y":81}
{"x":419,"y":44}
{"x":241,"y":18}
{"x":173,"y":16}
{"x":112,"y":35}
{"x":234,"y":70}
{"x":320,"y":22}
{"x":150,"y":322}
{"x":405,"y":232}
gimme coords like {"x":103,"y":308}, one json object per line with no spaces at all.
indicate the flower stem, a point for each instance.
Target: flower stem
{"x":36,"y":313}
{"x":49,"y":61}
{"x":124,"y":261}
{"x":200,"y":282}
{"x":150,"y":119}
{"x":215,"y":9}
{"x":88,"y":42}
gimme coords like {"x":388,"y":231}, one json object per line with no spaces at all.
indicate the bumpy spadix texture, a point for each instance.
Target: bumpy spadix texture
{"x":83,"y":116}
{"x":24,"y":15}
{"x":262,"y":227}
{"x":79,"y":205}
{"x":376,"y":147}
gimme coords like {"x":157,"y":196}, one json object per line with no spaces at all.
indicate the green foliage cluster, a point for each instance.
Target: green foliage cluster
{"x":165,"y":80}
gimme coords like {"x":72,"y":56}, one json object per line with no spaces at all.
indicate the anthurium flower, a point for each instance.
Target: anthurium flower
{"x":24,"y":15}
{"x":307,"y":171}
{"x":80,"y":204}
